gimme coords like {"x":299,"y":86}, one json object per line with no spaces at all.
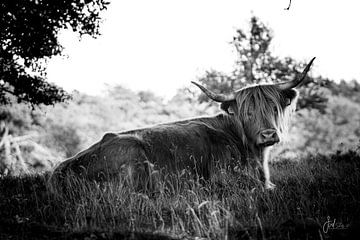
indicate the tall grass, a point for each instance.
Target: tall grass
{"x":230,"y":206}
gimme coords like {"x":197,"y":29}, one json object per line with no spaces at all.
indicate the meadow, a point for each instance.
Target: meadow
{"x":317,"y":194}
{"x":317,"y":197}
{"x":316,"y":170}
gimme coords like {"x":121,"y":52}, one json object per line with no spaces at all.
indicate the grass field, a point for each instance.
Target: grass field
{"x":316,"y":198}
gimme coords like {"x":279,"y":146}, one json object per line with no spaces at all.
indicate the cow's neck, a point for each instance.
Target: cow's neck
{"x":234,"y":129}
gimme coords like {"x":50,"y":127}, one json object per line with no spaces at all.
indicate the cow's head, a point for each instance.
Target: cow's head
{"x":262,"y":110}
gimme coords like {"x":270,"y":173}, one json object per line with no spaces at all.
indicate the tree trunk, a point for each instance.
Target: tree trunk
{"x":13,"y":163}
{"x":5,"y":141}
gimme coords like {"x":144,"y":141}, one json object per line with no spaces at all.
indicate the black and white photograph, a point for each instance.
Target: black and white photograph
{"x":176,"y":120}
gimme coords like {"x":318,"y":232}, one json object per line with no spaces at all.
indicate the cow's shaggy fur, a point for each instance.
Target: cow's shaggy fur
{"x":199,"y":144}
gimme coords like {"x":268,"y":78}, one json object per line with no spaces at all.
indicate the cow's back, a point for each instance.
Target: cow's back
{"x":195,"y":145}
{"x":113,"y":155}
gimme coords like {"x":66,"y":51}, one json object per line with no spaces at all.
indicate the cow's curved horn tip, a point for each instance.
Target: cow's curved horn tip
{"x":196,"y":84}
{"x":310,"y":63}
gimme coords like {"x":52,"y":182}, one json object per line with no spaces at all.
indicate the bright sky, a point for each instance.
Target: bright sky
{"x":161,"y":45}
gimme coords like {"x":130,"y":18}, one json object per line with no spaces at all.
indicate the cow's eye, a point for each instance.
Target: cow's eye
{"x":287,"y":101}
{"x":275,"y":110}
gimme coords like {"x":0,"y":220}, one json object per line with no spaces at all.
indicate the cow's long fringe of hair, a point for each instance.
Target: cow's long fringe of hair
{"x":269,"y":107}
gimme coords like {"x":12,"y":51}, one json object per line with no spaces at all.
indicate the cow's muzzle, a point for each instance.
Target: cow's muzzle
{"x":267,"y":137}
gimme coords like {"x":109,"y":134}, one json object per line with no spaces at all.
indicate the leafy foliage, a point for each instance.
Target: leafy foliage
{"x":350,"y":90}
{"x":67,"y":128}
{"x":256,"y":64}
{"x":28,"y":37}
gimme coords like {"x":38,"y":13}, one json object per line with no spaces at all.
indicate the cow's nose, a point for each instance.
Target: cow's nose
{"x":268,"y":134}
{"x":268,"y":137}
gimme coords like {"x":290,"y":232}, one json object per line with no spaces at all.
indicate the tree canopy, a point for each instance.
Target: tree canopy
{"x":255,"y":64}
{"x":28,"y":37}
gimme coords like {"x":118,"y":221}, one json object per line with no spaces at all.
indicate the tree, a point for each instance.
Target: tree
{"x":256,"y":64}
{"x":28,"y":37}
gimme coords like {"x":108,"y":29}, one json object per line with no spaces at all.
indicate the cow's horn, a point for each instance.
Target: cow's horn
{"x":216,"y":96}
{"x":296,"y":81}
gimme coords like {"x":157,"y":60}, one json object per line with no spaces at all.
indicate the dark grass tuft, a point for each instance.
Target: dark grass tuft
{"x":232,"y":206}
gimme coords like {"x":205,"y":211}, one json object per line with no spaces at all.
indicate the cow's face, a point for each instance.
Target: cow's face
{"x":263,"y":112}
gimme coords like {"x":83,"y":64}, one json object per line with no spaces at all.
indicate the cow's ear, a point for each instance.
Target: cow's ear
{"x":229,"y":107}
{"x":290,"y":95}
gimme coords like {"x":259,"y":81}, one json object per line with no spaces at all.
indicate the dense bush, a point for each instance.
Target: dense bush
{"x":314,"y":132}
{"x":66,"y":128}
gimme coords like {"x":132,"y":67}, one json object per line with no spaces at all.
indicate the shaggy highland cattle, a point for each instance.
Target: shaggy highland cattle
{"x":253,"y":120}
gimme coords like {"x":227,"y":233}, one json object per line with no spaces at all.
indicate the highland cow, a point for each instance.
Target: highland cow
{"x":253,"y":120}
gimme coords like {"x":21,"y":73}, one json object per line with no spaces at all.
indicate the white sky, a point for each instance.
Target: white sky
{"x":161,"y":45}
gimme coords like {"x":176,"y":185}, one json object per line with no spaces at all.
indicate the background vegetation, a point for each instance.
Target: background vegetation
{"x":28,"y":38}
{"x":53,"y":133}
{"x":316,"y":170}
{"x":327,"y":120}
